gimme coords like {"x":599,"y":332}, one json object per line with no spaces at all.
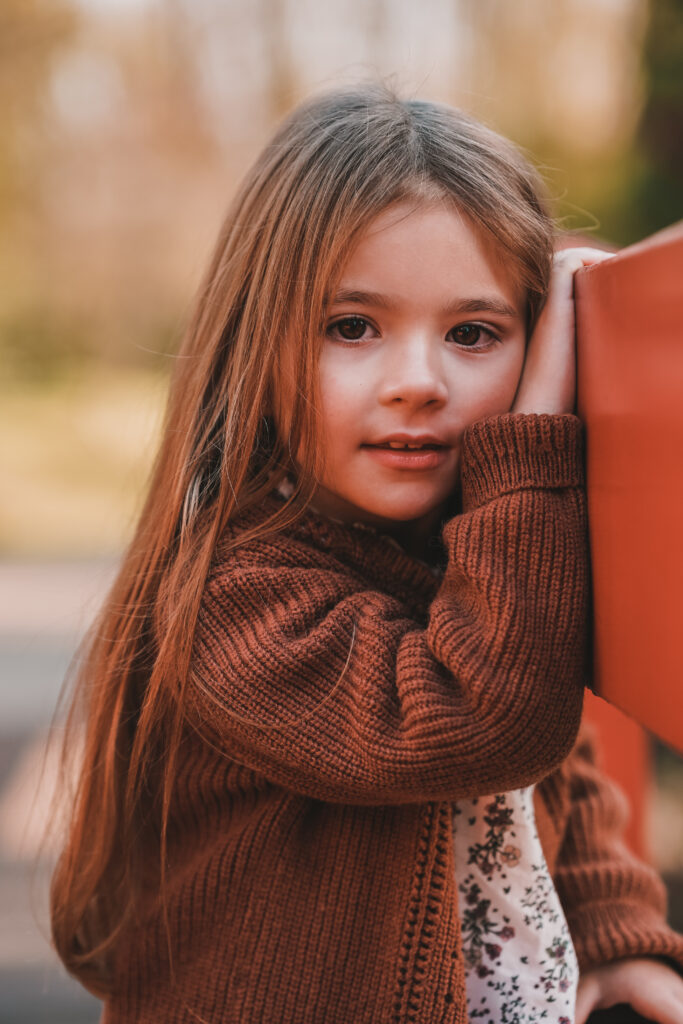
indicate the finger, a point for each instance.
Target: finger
{"x":581,"y":256}
{"x":664,"y":1008}
{"x":652,"y":989}
{"x":587,"y":998}
{"x":587,"y":251}
{"x":565,"y":265}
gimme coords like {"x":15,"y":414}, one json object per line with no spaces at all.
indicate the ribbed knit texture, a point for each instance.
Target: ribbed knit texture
{"x":615,"y":905}
{"x":341,"y":699}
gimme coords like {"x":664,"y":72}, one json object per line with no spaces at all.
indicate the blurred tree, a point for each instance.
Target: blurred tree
{"x":116,"y":134}
{"x":657,"y":197}
{"x":636,"y":190}
{"x":279,"y":79}
{"x":565,"y":80}
{"x":181,"y":122}
{"x":123,"y":129}
{"x":32,"y":34}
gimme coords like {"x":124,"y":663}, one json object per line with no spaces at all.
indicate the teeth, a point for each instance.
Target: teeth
{"x":401,"y":444}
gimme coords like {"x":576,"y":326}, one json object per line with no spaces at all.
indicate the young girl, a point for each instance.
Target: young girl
{"x":331,"y":767}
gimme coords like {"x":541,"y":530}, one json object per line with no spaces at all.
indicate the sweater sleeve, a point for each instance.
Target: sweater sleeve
{"x":615,"y":904}
{"x":329,"y":688}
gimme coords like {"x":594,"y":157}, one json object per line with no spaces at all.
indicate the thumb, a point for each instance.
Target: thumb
{"x":587,"y":999}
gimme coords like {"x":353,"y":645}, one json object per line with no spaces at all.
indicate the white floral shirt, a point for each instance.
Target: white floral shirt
{"x":520,"y":963}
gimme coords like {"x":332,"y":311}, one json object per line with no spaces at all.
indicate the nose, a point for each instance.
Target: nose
{"x":413,"y":373}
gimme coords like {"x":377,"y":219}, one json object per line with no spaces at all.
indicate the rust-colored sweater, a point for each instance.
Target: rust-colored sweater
{"x":342,"y":698}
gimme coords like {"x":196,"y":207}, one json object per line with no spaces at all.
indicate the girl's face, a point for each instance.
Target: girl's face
{"x":425,"y":334}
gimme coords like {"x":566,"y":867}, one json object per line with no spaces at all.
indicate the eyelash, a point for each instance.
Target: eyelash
{"x":493,"y":338}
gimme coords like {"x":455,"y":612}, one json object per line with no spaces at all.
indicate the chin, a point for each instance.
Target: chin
{"x":407,"y":511}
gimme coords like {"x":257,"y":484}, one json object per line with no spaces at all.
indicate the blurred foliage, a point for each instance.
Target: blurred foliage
{"x":76,"y":453}
{"x":669,"y":767}
{"x":32,"y":34}
{"x":637,"y":191}
{"x":656,"y":198}
{"x":123,"y":134}
{"x":38,"y":347}
{"x":41,"y":346}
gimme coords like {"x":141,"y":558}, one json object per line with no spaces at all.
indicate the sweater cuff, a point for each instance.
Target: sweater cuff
{"x":608,"y":931}
{"x":520,"y":450}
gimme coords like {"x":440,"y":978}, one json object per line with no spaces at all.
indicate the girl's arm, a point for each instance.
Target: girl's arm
{"x":615,"y":904}
{"x":306,"y":672}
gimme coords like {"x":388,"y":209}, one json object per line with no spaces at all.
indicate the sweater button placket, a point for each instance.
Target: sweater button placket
{"x":446,"y":1017}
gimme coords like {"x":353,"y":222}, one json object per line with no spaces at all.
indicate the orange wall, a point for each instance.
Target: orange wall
{"x":625,"y":756}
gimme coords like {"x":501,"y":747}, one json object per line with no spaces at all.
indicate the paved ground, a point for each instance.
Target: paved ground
{"x":43,"y":610}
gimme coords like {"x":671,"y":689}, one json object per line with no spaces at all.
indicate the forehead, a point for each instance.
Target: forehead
{"x":426,"y":252}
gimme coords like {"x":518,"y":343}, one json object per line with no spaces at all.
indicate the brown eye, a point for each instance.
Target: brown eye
{"x":471,"y":335}
{"x":467,"y":334}
{"x":351,"y":328}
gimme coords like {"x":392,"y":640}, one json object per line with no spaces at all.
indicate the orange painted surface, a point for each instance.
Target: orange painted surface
{"x":630,"y":396}
{"x":625,"y":756}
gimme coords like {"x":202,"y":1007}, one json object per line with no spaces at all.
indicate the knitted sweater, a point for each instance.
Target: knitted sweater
{"x":342,"y":698}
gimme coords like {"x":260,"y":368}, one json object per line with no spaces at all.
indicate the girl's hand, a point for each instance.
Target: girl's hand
{"x":654,"y":990}
{"x":548,"y":382}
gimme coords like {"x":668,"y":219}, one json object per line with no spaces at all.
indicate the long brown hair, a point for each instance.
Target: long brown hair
{"x":332,"y":166}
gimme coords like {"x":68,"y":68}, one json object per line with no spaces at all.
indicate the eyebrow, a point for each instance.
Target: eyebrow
{"x":483,"y":304}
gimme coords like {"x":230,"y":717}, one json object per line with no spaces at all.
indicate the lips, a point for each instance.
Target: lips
{"x":429,"y":454}
{"x":407,"y":442}
{"x":399,"y":446}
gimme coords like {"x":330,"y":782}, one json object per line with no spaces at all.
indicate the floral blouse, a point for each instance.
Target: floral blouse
{"x":519,"y":959}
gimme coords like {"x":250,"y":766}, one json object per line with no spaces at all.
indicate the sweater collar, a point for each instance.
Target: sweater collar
{"x":368,"y":548}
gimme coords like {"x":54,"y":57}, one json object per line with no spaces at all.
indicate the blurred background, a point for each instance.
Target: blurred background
{"x":124,"y":128}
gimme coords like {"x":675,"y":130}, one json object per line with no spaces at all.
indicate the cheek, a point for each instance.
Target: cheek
{"x":513,"y":372}
{"x":493,"y":386}
{"x":342,"y":394}
{"x":511,"y":366}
